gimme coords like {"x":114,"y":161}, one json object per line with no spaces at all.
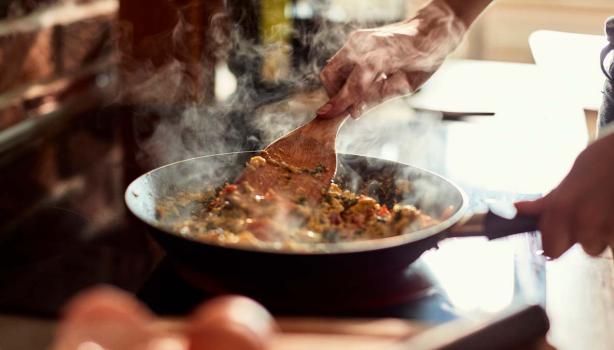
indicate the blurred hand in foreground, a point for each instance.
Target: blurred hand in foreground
{"x":581,"y":208}
{"x":381,"y":63}
{"x":108,"y":318}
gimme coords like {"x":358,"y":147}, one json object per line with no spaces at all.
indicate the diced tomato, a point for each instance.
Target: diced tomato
{"x":383,"y":211}
{"x":230,"y":188}
{"x":262,"y":229}
{"x":335,"y":218}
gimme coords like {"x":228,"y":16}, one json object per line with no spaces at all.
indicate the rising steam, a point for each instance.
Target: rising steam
{"x":258,"y":112}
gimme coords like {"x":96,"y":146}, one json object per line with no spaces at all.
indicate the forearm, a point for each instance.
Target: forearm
{"x":467,"y":10}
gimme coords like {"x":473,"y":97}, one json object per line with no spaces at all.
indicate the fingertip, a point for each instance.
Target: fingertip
{"x":324,"y":110}
{"x":534,"y":207}
{"x":555,"y":235}
{"x":591,"y":241}
{"x":593,"y":249}
{"x":231,"y":323}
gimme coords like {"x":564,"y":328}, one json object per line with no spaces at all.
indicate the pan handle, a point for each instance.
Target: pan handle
{"x":493,"y":226}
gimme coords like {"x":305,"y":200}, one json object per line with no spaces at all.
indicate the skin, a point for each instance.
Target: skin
{"x":382,"y":63}
{"x":106,"y":317}
{"x":581,"y":208}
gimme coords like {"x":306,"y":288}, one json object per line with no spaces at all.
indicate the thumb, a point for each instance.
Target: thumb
{"x":534,"y":207}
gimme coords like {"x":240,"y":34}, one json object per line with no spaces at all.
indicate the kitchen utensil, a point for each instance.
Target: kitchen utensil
{"x":334,"y":275}
{"x":309,"y":151}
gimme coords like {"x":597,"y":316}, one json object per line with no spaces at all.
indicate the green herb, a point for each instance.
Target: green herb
{"x":328,"y":198}
{"x":349,"y":202}
{"x":397,"y":217}
{"x":331,"y":236}
{"x":318,"y":169}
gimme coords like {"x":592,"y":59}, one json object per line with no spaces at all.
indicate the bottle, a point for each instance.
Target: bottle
{"x":606,"y":112}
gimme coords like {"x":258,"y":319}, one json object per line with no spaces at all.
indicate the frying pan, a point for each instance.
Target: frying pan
{"x":345,"y":274}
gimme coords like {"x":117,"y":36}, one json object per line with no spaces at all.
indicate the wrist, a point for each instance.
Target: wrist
{"x":437,"y":33}
{"x":467,"y":11}
{"x":438,"y":16}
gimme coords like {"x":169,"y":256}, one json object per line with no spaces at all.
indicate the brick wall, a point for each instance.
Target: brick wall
{"x":50,"y":48}
{"x":63,"y":223}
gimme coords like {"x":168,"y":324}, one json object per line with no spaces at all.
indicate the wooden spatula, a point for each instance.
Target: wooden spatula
{"x":299,"y":165}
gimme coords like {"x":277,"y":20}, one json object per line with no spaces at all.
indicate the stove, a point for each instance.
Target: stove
{"x":460,"y":277}
{"x":60,"y":250}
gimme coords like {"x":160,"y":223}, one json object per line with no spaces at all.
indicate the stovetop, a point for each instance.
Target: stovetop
{"x":55,"y":254}
{"x":460,"y":277}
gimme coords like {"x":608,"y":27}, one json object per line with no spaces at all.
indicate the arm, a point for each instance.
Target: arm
{"x":381,"y":63}
{"x":468,"y":10}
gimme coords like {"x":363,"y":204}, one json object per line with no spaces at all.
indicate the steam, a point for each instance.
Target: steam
{"x":174,"y":122}
{"x":170,"y":127}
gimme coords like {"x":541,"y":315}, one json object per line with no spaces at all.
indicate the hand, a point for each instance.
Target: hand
{"x":381,"y":63}
{"x":105,"y":317}
{"x":581,"y":208}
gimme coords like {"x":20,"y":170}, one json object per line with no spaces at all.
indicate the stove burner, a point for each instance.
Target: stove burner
{"x":413,"y":293}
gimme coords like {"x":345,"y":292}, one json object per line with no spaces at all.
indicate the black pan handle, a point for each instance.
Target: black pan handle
{"x":493,"y":226}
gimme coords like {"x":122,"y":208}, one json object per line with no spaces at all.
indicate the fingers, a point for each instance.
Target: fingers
{"x":106,"y":317}
{"x":334,"y":75}
{"x":567,"y":219}
{"x":231,"y":323}
{"x":555,"y":222}
{"x":554,"y":225}
{"x":351,"y":96}
{"x":592,"y":241}
{"x":533,"y":208}
{"x":397,"y":84}
{"x":556,"y":234}
{"x":591,"y":226}
{"x":364,"y":89}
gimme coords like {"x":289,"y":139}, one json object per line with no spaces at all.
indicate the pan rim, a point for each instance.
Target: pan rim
{"x":319,"y":248}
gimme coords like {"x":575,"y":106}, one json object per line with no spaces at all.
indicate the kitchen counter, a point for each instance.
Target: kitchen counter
{"x":525,"y":148}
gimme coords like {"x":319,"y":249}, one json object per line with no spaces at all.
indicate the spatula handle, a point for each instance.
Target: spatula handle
{"x":323,"y":129}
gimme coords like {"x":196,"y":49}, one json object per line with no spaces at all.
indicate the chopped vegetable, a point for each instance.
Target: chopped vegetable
{"x":238,"y":215}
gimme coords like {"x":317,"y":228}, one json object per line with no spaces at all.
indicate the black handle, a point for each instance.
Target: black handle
{"x":493,"y":226}
{"x":496,"y":226}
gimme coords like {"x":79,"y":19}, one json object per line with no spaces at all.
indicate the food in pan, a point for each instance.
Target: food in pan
{"x":235,"y":215}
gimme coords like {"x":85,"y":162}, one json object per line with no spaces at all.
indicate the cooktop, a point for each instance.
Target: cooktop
{"x":460,"y":277}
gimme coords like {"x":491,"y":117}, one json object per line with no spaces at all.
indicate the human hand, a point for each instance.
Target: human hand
{"x":381,"y":63}
{"x":108,"y":318}
{"x":580,"y":209}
